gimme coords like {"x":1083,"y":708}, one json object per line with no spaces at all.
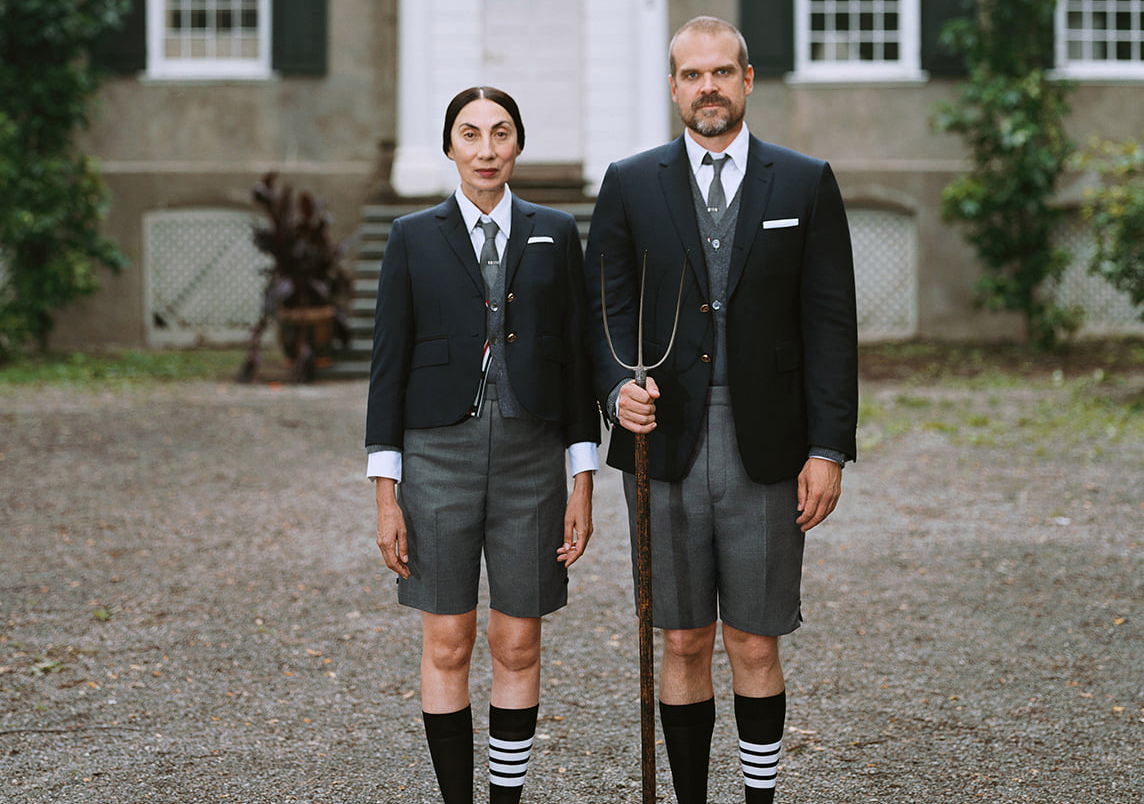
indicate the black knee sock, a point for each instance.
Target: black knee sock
{"x":451,"y":747}
{"x":760,"y":722}
{"x":687,"y":735}
{"x":511,"y":732}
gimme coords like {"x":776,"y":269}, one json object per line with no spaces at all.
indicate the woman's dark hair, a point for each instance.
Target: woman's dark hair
{"x":467,"y":96}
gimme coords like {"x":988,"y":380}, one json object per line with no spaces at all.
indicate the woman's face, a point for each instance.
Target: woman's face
{"x":483,"y":144}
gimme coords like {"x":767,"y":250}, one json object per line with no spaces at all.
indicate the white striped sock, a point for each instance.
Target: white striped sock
{"x":760,"y":763}
{"x":508,"y":761}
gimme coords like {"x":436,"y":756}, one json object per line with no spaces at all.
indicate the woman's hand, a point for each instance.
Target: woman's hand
{"x":391,"y":537}
{"x":577,"y":520}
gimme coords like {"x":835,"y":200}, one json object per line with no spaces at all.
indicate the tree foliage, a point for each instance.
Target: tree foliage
{"x":1116,"y":212}
{"x":1010,"y":115}
{"x":53,"y":198}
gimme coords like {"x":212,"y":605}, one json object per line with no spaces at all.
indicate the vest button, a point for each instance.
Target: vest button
{"x":703,"y":308}
{"x":705,"y":358}
{"x":511,"y":337}
{"x":716,"y":305}
{"x":494,"y":306}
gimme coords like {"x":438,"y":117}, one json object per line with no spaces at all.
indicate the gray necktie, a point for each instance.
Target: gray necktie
{"x":716,"y":199}
{"x":489,"y":257}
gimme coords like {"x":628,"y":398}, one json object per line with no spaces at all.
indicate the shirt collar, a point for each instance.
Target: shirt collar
{"x":501,"y":214}
{"x":737,"y":150}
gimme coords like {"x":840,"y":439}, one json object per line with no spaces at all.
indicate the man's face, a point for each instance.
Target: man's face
{"x":708,"y":86}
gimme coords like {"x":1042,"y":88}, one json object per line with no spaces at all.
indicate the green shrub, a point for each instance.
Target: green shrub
{"x":53,"y":198}
{"x":1116,"y":212}
{"x":1011,"y":115}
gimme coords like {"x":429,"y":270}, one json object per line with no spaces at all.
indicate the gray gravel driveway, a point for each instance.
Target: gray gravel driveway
{"x":194,"y":610}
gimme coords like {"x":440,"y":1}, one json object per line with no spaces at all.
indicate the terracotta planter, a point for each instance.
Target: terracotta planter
{"x":305,"y":335}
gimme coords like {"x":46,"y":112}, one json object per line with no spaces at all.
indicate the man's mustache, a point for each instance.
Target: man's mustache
{"x":708,"y":100}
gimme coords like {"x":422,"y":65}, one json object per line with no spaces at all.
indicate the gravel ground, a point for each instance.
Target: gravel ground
{"x":194,"y":610}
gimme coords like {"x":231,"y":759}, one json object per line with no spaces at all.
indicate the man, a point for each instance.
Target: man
{"x":753,"y":415}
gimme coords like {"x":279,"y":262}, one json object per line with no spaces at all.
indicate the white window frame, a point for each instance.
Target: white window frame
{"x":907,"y":68}
{"x":1091,"y":69}
{"x":163,"y":68}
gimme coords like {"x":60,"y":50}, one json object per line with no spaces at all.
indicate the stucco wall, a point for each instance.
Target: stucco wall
{"x":172,"y":144}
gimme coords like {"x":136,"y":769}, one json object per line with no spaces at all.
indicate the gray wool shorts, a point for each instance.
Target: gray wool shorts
{"x":492,"y":487}
{"x":723,"y":547}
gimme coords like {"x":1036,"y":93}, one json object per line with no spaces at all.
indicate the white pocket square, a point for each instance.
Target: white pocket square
{"x":780,"y":223}
{"x":541,"y":239}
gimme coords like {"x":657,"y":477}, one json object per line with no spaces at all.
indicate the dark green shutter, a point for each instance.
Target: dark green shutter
{"x":299,"y":34}
{"x":768,"y":27}
{"x":936,"y":57}
{"x":124,"y":50}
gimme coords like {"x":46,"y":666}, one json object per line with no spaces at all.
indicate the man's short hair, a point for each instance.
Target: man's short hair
{"x":712,"y":26}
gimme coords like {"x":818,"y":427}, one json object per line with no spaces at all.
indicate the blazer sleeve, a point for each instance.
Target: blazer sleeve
{"x":611,"y":251}
{"x":829,"y":323}
{"x":582,"y":417}
{"x":392,"y":346}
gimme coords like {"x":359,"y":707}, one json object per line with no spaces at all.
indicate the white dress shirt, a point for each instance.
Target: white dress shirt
{"x":582,"y":456}
{"x":733,"y":170}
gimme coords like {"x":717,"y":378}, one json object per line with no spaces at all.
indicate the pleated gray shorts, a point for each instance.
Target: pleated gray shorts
{"x":723,"y":546}
{"x":487,"y":485}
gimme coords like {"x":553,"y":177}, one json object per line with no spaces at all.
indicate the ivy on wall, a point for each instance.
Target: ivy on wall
{"x":1011,"y":116}
{"x":53,"y":198}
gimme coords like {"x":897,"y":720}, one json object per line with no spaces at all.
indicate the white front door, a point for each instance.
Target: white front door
{"x":532,"y":50}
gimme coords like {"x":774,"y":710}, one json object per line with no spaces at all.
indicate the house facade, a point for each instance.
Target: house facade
{"x":345,"y":99}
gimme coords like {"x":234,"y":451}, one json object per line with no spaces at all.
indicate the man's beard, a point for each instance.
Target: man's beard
{"x":712,"y":126}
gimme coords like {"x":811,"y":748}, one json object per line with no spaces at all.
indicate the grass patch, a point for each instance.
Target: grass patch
{"x":126,"y":366}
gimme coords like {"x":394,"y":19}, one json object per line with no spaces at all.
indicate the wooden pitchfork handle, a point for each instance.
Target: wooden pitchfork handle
{"x":643,"y":533}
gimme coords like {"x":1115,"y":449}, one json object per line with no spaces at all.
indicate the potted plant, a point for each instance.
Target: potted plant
{"x":308,"y":289}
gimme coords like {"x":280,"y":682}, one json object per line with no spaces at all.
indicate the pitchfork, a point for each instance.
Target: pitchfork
{"x":643,"y":528}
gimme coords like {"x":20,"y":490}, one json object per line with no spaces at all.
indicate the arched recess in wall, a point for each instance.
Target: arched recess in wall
{"x":884,"y":235}
{"x":202,"y":276}
{"x":1107,"y":310}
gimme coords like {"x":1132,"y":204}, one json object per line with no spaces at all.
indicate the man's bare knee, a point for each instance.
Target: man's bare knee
{"x":690,"y":645}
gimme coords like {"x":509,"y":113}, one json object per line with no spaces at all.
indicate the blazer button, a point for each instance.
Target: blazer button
{"x":510,"y":298}
{"x":511,"y":337}
{"x":703,"y":308}
{"x":705,"y":358}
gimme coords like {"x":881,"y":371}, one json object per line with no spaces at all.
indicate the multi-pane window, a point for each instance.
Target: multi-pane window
{"x":208,"y":38}
{"x":857,"y":39}
{"x":1101,"y":38}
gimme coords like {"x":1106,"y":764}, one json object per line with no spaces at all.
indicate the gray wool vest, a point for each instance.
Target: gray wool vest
{"x":494,"y":331}
{"x":717,"y":241}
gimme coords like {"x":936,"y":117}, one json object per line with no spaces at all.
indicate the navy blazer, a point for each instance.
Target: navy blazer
{"x":791,"y":314}
{"x":429,"y":328}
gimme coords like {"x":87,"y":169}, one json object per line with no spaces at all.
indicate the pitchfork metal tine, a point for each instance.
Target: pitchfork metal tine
{"x":639,"y":368}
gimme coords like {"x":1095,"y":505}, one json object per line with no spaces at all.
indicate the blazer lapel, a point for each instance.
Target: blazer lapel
{"x":753,"y":198}
{"x":522,"y":224}
{"x":676,"y":185}
{"x":452,"y":227}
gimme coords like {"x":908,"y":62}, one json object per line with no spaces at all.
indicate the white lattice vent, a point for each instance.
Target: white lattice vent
{"x":885,"y":272}
{"x":1107,"y":311}
{"x":204,"y":281}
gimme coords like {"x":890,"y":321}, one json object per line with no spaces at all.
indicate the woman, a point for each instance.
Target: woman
{"x":479,"y":381}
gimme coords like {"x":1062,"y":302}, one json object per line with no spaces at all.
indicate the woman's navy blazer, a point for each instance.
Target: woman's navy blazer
{"x":429,"y":329}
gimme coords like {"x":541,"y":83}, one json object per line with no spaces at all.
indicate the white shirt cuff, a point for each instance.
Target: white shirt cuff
{"x":583,"y":457}
{"x":386,"y":463}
